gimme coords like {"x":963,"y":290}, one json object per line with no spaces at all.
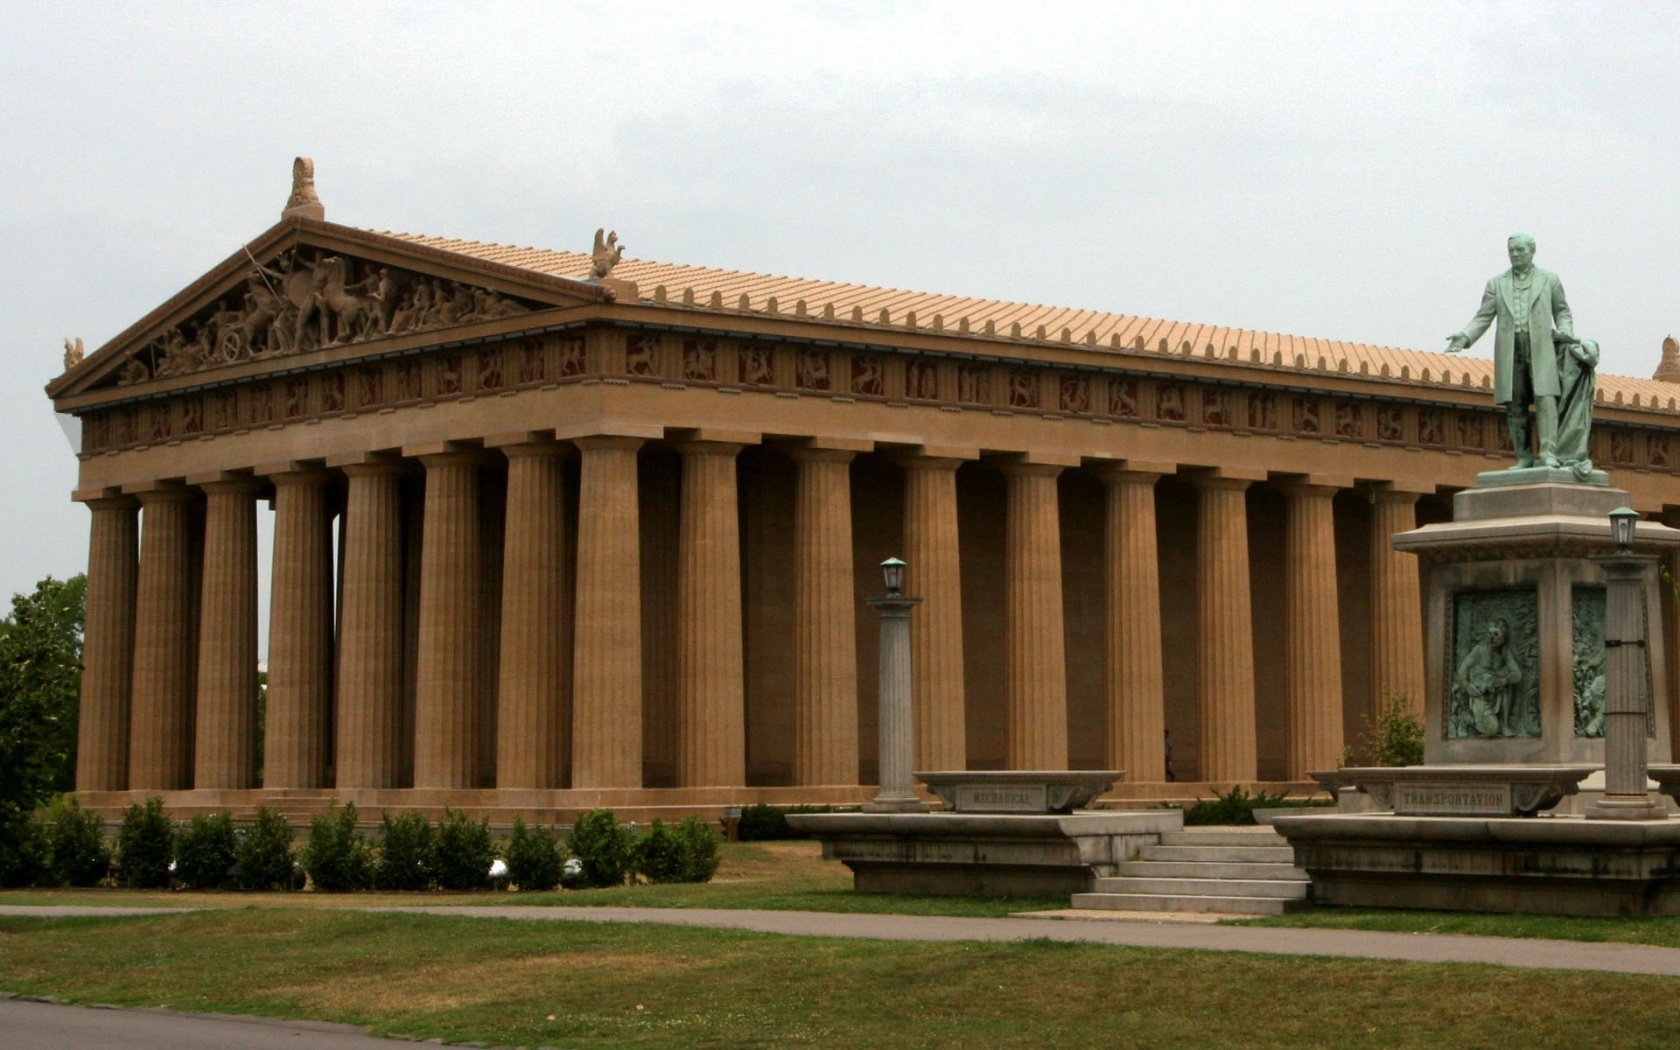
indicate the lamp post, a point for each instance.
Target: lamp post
{"x":1627,"y":686}
{"x":897,"y":793}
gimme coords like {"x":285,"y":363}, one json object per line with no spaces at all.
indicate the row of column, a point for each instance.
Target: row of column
{"x":170,"y":655}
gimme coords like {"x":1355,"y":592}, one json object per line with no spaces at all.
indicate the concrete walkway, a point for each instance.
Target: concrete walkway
{"x":38,"y":1024}
{"x":1138,"y":933}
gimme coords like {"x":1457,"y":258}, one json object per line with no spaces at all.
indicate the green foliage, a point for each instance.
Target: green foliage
{"x":462,"y":854}
{"x":602,"y":846}
{"x":766,"y":823}
{"x":40,"y":684}
{"x":1236,"y":806}
{"x":145,"y":845}
{"x":264,"y":855}
{"x":699,"y":849}
{"x":658,"y":855}
{"x":337,"y":856}
{"x":204,"y":851}
{"x":1395,"y":738}
{"x":533,"y":857}
{"x":74,"y":851}
{"x":406,"y":842}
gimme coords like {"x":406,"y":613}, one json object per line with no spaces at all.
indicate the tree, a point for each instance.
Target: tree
{"x":40,"y":687}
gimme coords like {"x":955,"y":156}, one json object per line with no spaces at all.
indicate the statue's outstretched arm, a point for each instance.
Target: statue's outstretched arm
{"x":1478,"y":324}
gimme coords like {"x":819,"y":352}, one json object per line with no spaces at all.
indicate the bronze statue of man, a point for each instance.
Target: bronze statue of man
{"x":1528,"y":303}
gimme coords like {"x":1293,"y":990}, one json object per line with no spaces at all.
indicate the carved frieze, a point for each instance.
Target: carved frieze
{"x":868,"y":375}
{"x":1495,"y":686}
{"x":307,"y":299}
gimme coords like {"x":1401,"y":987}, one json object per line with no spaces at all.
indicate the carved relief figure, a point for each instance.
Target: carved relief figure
{"x":1075,"y":394}
{"x":1429,"y":426}
{"x":1391,"y":423}
{"x":868,"y":376}
{"x":333,"y":393}
{"x":409,"y":380}
{"x":1656,"y":450}
{"x":606,"y":255}
{"x":1347,"y":420}
{"x":192,"y":416}
{"x":1023,"y":388}
{"x":1262,"y":412}
{"x":639,"y":350}
{"x":1484,"y":687}
{"x":813,"y":370}
{"x":700,"y":359}
{"x":1469,"y":430}
{"x":971,"y":383}
{"x":297,"y":397}
{"x":1306,"y":415}
{"x":1170,"y":402}
{"x":571,"y":357}
{"x":1123,"y":397}
{"x":1586,"y":616}
{"x":490,"y":369}
{"x":1621,"y":447}
{"x":1213,"y":407}
{"x":921,"y":380}
{"x":449,"y":374}
{"x":755,"y":364}
{"x":162,"y":424}
{"x":532,"y":361}
{"x":370,"y":386}
{"x":73,"y":352}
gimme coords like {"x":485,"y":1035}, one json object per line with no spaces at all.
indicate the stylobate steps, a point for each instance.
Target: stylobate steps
{"x":1232,"y":870}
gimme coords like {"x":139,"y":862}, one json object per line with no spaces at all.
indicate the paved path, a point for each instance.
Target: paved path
{"x":1138,"y":932}
{"x":36,"y":1024}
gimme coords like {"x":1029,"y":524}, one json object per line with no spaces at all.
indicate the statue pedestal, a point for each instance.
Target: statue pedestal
{"x":1517,"y":554}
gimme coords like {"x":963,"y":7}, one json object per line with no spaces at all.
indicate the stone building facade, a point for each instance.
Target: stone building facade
{"x":545,"y":540}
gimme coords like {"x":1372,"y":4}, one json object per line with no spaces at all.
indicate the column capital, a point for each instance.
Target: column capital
{"x":109,"y":502}
{"x":432,"y":460}
{"x":1219,"y":481}
{"x":926,"y":462}
{"x":1031,"y":470}
{"x":1379,"y":494}
{"x":98,"y":494}
{"x":158,"y":493}
{"x":1308,"y":489}
{"x":246,"y":486}
{"x":608,"y":443}
{"x":306,"y":476}
{"x":823,"y":455}
{"x":709,"y":448}
{"x":1129,"y":469}
{"x":374,"y":469}
{"x":537,"y":449}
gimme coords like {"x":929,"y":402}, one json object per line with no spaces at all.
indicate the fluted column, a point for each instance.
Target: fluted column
{"x":1136,"y":694}
{"x":1225,"y":652}
{"x":446,"y":679}
{"x":607,"y":675}
{"x":825,"y":622}
{"x":1313,"y":659}
{"x":370,"y":670}
{"x":1396,"y":605}
{"x":711,"y":706}
{"x":160,"y":737}
{"x":108,"y":646}
{"x":1034,"y":655}
{"x":297,"y":736}
{"x":936,"y":636}
{"x":225,"y":755}
{"x":533,"y":735}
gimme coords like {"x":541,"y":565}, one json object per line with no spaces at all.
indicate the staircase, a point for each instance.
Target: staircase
{"x":1236,"y":870}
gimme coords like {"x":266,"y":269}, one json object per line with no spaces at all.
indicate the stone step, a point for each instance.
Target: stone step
{"x":1257,"y":835}
{"x":1170,"y":902}
{"x":1291,"y":888}
{"x":1220,"y":854}
{"x":1201,"y":869}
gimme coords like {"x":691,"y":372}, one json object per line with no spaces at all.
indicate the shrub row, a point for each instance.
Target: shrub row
{"x":66,"y":847}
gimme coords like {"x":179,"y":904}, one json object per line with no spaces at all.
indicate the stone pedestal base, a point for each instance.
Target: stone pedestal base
{"x":1545,"y":865}
{"x":984,"y":855}
{"x":1628,"y":807}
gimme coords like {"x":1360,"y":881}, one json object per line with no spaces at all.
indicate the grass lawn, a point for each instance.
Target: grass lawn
{"x":613,"y":985}
{"x":784,"y":876}
{"x":1658,"y":930}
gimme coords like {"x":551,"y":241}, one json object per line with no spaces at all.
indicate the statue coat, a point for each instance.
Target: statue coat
{"x":1546,"y":309}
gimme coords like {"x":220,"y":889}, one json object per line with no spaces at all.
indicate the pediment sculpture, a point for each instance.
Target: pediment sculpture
{"x":307,"y":299}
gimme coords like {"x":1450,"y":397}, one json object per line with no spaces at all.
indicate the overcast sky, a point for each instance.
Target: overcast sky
{"x":1344,"y":170}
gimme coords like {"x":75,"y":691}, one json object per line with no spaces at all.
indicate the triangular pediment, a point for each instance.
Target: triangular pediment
{"x":307,"y":287}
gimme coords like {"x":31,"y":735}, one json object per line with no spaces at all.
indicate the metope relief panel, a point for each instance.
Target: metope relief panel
{"x":699,"y":360}
{"x":1123,"y":398}
{"x":811,"y":370}
{"x":1495,"y":688}
{"x":1023,"y":388}
{"x":869,"y":376}
{"x":1074,"y":394}
{"x":755,"y":365}
{"x":921,"y":380}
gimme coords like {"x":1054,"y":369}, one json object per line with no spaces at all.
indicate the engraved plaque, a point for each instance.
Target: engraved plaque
{"x":1453,"y":800}
{"x":1001,"y":798}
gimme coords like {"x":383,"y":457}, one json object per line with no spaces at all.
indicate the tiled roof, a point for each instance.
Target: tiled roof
{"x":896,"y":308}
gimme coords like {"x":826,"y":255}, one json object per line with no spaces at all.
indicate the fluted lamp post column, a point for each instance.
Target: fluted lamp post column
{"x":897,"y":750}
{"x":1626,"y":679}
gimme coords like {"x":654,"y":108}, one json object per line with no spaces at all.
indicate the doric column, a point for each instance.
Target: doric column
{"x":825,"y":621}
{"x":1396,"y":605}
{"x":160,"y":740}
{"x":1136,"y":695}
{"x":711,"y":706}
{"x":1313,"y":658}
{"x":368,"y":753}
{"x":1225,"y":650}
{"x":297,"y":737}
{"x":934,"y":574}
{"x":108,"y":645}
{"x":225,"y":755}
{"x":533,"y":734}
{"x":607,"y":675}
{"x":1034,"y":654}
{"x":446,"y":679}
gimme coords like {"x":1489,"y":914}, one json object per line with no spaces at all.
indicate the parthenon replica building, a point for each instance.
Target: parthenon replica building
{"x":555,"y":530}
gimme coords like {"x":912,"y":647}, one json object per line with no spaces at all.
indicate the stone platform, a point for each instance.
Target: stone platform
{"x":984,"y":855}
{"x":1542,"y":865}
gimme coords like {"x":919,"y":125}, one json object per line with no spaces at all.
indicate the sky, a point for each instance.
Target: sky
{"x":1347,"y":171}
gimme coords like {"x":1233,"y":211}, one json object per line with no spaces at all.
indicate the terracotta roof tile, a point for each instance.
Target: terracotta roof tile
{"x":1338,"y":356}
